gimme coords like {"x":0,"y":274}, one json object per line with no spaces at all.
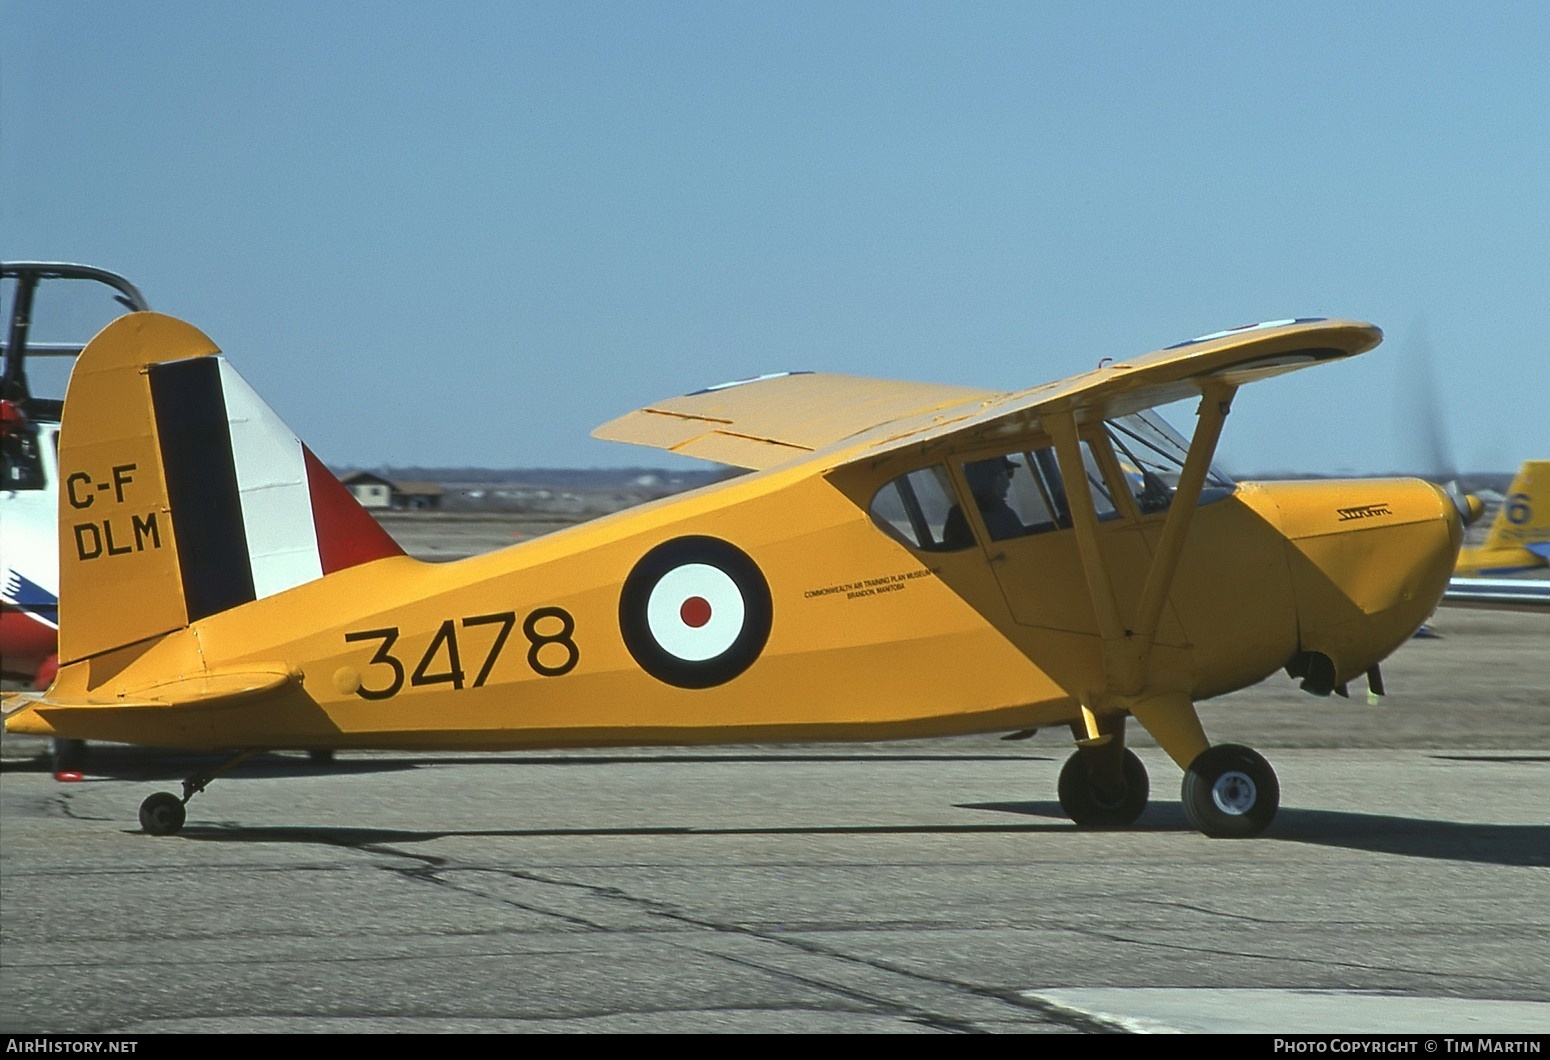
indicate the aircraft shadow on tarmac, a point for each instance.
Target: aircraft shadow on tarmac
{"x":1492,"y":844}
{"x":1520,"y":845}
{"x":1510,"y":845}
{"x":147,"y":764}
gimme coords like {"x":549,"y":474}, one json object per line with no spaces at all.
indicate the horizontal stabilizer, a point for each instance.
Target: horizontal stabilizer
{"x":28,"y":712}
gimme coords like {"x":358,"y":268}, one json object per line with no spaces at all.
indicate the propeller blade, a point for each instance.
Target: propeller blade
{"x":1423,"y":413}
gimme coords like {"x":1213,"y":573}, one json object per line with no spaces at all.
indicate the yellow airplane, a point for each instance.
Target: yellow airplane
{"x":1519,"y":537}
{"x":904,"y":560}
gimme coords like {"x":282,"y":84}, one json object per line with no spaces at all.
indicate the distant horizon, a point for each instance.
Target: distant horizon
{"x":444,"y":472}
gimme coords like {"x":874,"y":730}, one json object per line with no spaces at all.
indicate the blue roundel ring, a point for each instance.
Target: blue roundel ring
{"x":695,"y":612}
{"x":1518,"y":509}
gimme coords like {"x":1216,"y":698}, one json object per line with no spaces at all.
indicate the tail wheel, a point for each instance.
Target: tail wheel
{"x":1092,"y":807}
{"x":1230,"y":792}
{"x":69,"y":759}
{"x":162,"y":814}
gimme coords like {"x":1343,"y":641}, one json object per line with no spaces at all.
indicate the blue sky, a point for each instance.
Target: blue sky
{"x":468,"y":232}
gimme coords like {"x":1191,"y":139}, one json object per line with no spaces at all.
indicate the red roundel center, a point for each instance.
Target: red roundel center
{"x":695,"y":612}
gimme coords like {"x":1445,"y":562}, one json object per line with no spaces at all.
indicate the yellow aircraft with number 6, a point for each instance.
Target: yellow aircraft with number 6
{"x":1519,"y":536}
{"x":905,"y":560}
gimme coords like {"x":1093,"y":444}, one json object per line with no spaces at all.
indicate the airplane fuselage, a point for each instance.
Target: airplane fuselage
{"x":860,"y":638}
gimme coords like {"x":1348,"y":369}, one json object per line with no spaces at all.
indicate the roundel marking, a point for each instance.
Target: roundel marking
{"x":695,"y":612}
{"x":1518,"y":509}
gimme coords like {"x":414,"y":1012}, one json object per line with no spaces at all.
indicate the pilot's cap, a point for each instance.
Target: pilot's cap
{"x":981,"y":474}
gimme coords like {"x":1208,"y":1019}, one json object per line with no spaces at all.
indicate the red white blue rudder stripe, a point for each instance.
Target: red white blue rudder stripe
{"x":254,"y":512}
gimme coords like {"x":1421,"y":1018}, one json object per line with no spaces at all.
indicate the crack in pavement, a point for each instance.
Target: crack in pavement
{"x":438,"y":874}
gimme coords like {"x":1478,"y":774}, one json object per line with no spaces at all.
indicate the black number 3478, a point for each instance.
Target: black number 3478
{"x":551,"y":650}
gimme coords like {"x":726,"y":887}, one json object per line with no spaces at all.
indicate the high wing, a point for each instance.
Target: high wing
{"x":764,"y":422}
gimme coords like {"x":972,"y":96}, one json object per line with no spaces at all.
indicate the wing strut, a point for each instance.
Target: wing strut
{"x":1215,"y":403}
{"x":1127,"y":648}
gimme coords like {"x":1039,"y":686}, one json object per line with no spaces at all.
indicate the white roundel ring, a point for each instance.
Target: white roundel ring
{"x":695,"y":612}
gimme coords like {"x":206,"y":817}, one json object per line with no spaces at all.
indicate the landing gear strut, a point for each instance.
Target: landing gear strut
{"x":163,"y":813}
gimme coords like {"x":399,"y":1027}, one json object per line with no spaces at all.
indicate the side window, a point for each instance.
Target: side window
{"x":1036,"y":495}
{"x":1022,"y":493}
{"x":1010,"y":494}
{"x":915,"y":509}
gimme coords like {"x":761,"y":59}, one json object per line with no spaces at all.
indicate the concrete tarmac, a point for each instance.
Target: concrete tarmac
{"x":923,"y":887}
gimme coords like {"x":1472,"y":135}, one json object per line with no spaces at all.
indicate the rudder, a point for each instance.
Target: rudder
{"x":183,"y":494}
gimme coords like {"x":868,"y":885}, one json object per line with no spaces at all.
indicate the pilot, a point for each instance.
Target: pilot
{"x":989,"y":481}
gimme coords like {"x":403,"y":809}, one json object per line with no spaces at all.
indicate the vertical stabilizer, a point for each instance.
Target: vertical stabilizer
{"x":1523,"y":521}
{"x":182,"y":491}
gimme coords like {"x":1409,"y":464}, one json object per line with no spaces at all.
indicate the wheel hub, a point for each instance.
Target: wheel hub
{"x":1234,"y":793}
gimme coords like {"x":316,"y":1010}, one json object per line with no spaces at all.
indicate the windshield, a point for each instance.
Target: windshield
{"x":1151,"y":454}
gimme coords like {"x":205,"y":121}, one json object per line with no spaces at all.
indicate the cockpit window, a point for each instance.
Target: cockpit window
{"x":1018,"y":493}
{"x":1021,"y":492}
{"x":1103,"y":500}
{"x":66,"y":312}
{"x":1030,"y":500}
{"x":914,"y":508}
{"x":1151,"y":455}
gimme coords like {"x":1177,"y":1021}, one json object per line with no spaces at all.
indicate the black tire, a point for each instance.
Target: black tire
{"x":321,"y":756}
{"x":162,"y":814}
{"x":1092,"y":809}
{"x":1230,"y":792}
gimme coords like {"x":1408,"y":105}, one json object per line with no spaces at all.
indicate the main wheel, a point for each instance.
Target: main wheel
{"x":1092,"y":808}
{"x":162,"y":813}
{"x":1230,"y":792}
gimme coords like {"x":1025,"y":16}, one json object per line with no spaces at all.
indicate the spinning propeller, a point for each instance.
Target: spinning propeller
{"x":1421,"y":410}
